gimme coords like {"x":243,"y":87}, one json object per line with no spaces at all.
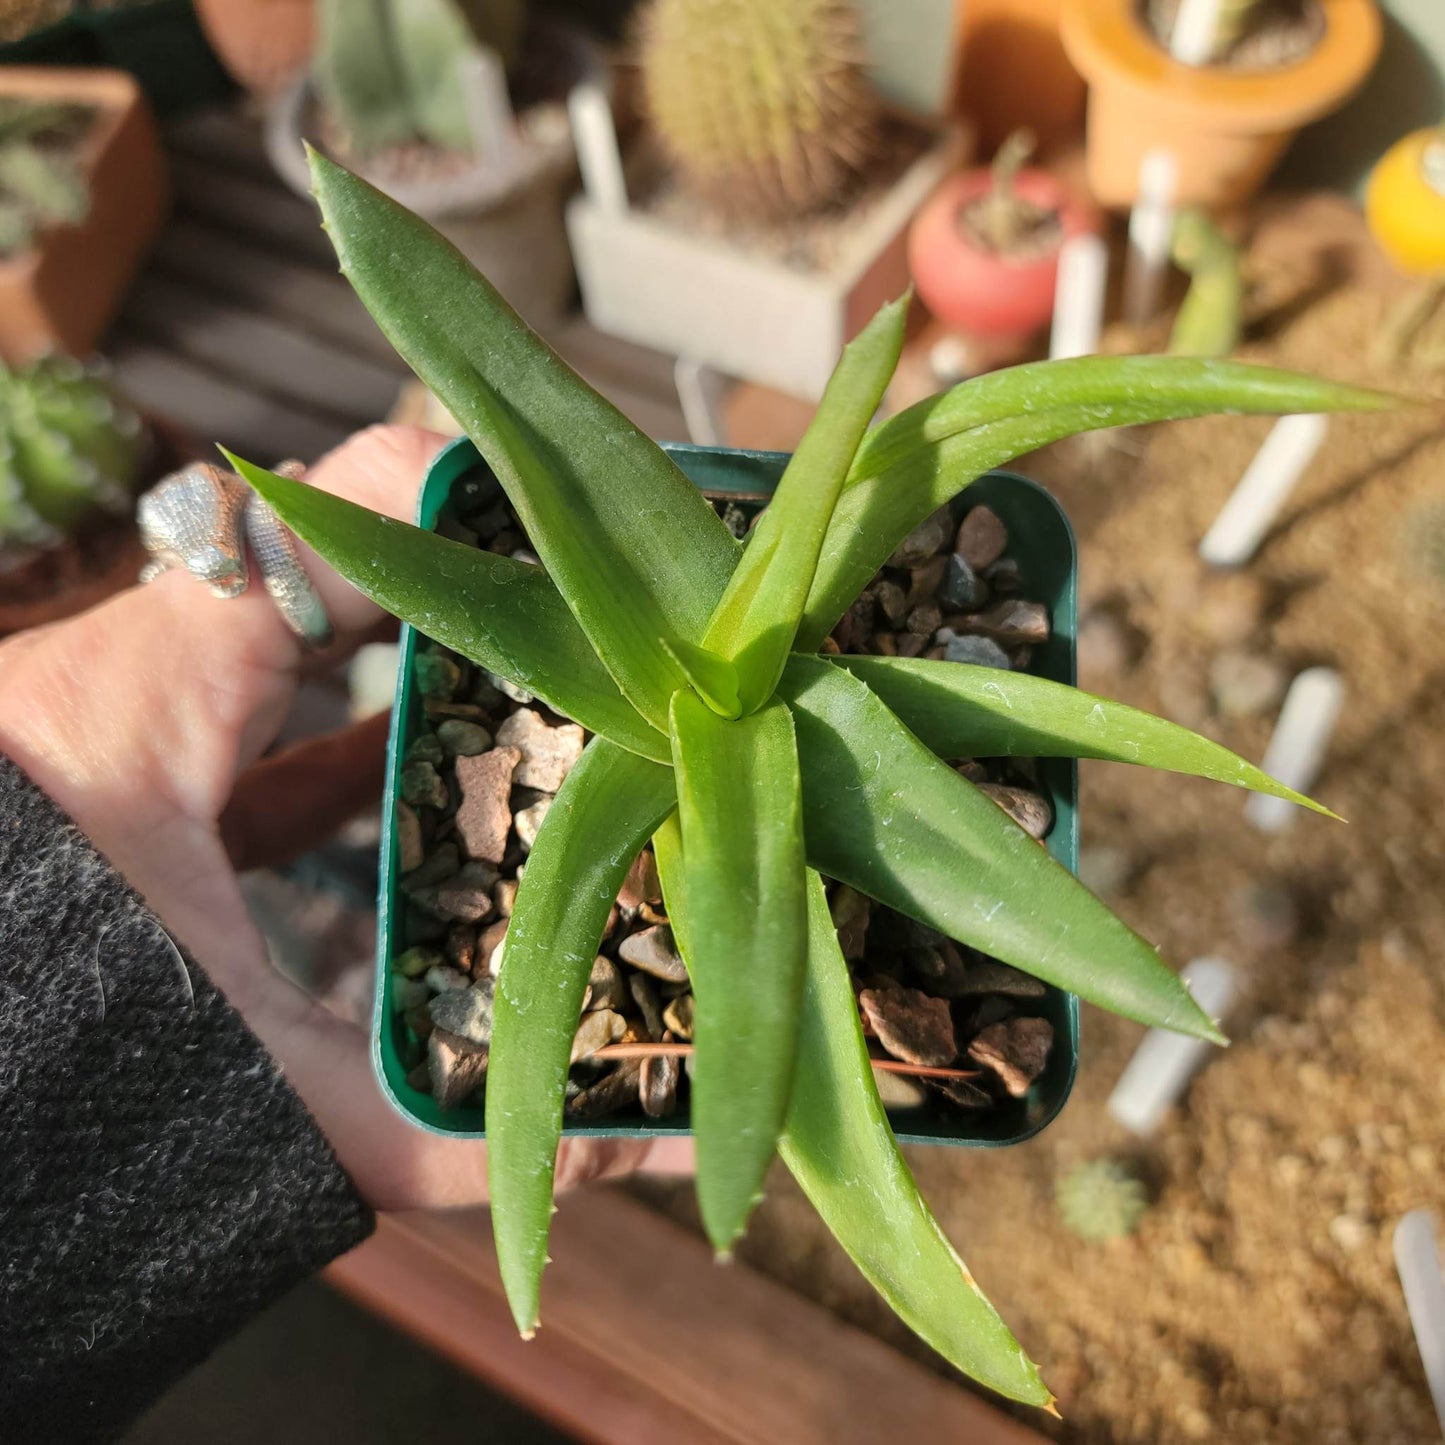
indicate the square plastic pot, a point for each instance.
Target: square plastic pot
{"x":1043,"y":543}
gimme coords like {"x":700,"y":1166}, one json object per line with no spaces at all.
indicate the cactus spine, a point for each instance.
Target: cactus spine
{"x":68,"y":451}
{"x":762,"y":105}
{"x":393,"y":72}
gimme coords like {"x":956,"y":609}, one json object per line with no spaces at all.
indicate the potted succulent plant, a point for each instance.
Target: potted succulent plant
{"x":83,"y":192}
{"x":456,"y":108}
{"x":777,"y":221}
{"x":1273,"y":66}
{"x":984,"y":252}
{"x":72,"y":457}
{"x":724,"y":733}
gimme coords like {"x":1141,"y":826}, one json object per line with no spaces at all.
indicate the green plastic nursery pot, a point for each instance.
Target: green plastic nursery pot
{"x":1042,"y":542}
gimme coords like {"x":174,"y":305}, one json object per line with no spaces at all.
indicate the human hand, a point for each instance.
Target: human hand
{"x":145,"y":719}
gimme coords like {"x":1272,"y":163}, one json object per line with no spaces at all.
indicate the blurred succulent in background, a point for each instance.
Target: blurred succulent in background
{"x":1211,"y":316}
{"x":394,"y":72}
{"x":764,"y":106}
{"x":1102,"y":1199}
{"x":69,"y":451}
{"x":19,"y":18}
{"x":41,"y":180}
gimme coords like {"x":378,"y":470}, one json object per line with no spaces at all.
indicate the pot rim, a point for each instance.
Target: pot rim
{"x":112,"y":94}
{"x":1107,"y":42}
{"x":1077,"y":216}
{"x":479,"y":187}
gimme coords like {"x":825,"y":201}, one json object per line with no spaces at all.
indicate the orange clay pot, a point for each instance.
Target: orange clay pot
{"x":1226,"y":129}
{"x":1405,"y":203}
{"x":1011,"y":71}
{"x":62,"y":293}
{"x":978,"y":291}
{"x":262,"y":43}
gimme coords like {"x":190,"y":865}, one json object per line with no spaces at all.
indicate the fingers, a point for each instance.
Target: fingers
{"x":296,"y":799}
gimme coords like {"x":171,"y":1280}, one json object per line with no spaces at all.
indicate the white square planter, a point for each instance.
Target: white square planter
{"x":741,"y":313}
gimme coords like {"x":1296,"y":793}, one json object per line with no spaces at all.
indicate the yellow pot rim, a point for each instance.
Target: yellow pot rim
{"x":1108,"y":42}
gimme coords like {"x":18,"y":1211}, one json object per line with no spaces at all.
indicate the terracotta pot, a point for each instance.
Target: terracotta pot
{"x":1011,"y":71}
{"x":61,"y":295}
{"x":982,"y":292}
{"x":262,"y":43}
{"x":1225,"y":129}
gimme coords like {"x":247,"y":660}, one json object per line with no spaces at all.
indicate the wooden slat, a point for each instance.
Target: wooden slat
{"x":268,"y":355}
{"x":307,"y":296}
{"x":636,"y":1311}
{"x":216,"y":409}
{"x":261,"y":208}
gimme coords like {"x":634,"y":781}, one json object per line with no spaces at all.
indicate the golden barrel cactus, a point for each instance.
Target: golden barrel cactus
{"x":763,"y":106}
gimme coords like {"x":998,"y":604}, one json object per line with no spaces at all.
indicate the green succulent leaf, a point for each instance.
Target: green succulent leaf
{"x":713,"y":678}
{"x":740,"y":813}
{"x":758,"y":616}
{"x":915,"y":462}
{"x":635,"y":550}
{"x":960,"y":711}
{"x":610,"y":804}
{"x":837,"y":1137}
{"x":502,"y":614}
{"x":839,"y":1145}
{"x":883,"y":814}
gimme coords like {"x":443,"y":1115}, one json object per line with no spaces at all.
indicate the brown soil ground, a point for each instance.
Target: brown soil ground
{"x":1258,"y":1301}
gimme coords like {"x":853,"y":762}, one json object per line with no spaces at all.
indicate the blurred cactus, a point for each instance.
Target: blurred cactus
{"x":1101,"y":1199}
{"x":395,"y":71}
{"x":1211,"y":317}
{"x":763,"y":105}
{"x":41,"y":180}
{"x":68,"y":450}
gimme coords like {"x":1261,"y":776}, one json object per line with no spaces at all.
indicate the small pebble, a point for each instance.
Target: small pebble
{"x":437,"y":676}
{"x":425,"y":747}
{"x":641,"y":884}
{"x":607,"y":986}
{"x":410,"y":849}
{"x":504,"y":896}
{"x":422,"y":786}
{"x":988,"y":976}
{"x":644,"y":995}
{"x":928,"y":537}
{"x":678,"y":1016}
{"x":925,"y":620}
{"x":911,"y":1025}
{"x":457,"y":1068}
{"x":462,"y":739}
{"x":924,"y":582}
{"x":1009,"y":623}
{"x":1031,"y":811}
{"x":962,"y":588}
{"x":489,"y":945}
{"x":510,"y":689}
{"x":443,"y":978}
{"x":657,"y":1081}
{"x":598,"y":1029}
{"x":528,"y":823}
{"x":981,"y":538}
{"x":979,"y":651}
{"x":1016,"y":1050}
{"x":654,"y":952}
{"x":613,"y":1091}
{"x":484,"y":816}
{"x":897,"y":1091}
{"x":466,"y":1012}
{"x":547,"y":753}
{"x":416,"y":961}
{"x":892,"y":600}
{"x":467,"y":897}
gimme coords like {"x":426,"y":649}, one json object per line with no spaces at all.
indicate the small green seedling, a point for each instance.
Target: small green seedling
{"x":756,"y":765}
{"x":1102,"y":1199}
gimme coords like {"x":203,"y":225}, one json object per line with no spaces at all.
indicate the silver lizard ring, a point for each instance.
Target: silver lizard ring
{"x":202,"y":518}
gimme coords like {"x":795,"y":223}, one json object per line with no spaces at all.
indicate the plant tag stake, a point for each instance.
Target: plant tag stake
{"x":1162,"y":1066}
{"x":1195,"y":24}
{"x":1151,"y":230}
{"x":489,"y":108}
{"x":1417,"y":1260}
{"x":1264,"y":488}
{"x":1079,"y":297}
{"x":1301,"y":738}
{"x":598,"y":157}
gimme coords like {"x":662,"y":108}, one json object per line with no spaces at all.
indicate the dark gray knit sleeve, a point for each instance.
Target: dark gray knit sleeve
{"x":159,"y":1180}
